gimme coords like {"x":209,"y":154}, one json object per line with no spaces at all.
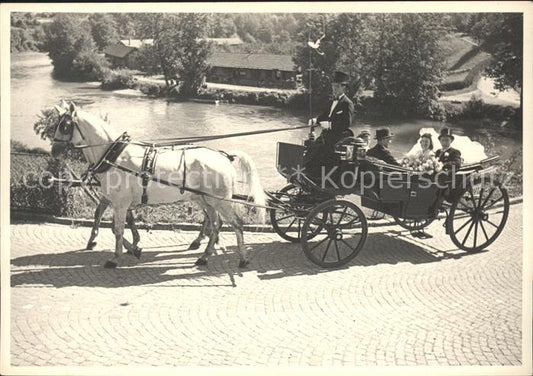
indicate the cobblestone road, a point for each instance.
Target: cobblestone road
{"x":402,"y":301}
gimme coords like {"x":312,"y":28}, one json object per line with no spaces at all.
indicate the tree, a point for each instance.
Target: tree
{"x":161,"y":27}
{"x":221,"y":25}
{"x":193,"y":50}
{"x":68,"y":37}
{"x":504,"y":39}
{"x":353,"y":40}
{"x":103,"y":30}
{"x":317,"y":69}
{"x":179,"y":47}
{"x":125,"y":24}
{"x":408,"y":62}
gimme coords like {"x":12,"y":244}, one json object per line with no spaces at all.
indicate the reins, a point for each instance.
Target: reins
{"x":178,"y":141}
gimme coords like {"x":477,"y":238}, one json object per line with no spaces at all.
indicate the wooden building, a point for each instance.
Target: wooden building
{"x":119,"y":55}
{"x":262,"y":70}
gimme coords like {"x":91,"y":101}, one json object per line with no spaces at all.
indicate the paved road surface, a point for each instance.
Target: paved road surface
{"x":402,"y":301}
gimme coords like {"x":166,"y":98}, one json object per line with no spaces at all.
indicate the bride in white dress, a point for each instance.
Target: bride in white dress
{"x":471,"y":151}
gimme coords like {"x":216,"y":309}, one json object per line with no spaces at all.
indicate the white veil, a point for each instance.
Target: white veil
{"x":471,"y":151}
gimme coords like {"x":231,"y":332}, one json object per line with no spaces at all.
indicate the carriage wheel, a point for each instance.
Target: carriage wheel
{"x":343,"y":233}
{"x":478,"y":217}
{"x":413,"y":224}
{"x":288,"y":223}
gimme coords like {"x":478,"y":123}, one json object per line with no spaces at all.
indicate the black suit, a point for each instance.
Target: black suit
{"x":450,"y":158}
{"x":321,"y":154}
{"x":382,"y":153}
{"x":341,"y":119}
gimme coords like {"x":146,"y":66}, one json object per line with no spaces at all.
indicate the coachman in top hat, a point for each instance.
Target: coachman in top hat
{"x":337,"y":117}
{"x":335,"y":122}
{"x":450,"y":157}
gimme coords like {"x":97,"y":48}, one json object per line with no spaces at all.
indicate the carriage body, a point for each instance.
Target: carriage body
{"x":413,"y":199}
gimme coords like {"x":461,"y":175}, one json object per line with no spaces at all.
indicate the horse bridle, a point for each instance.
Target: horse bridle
{"x":66,"y":126}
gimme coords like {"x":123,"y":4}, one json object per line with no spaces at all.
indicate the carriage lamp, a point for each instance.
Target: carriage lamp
{"x":345,"y":152}
{"x":361,"y":153}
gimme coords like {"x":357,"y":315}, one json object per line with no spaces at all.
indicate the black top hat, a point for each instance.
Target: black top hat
{"x":340,"y":78}
{"x":446,"y":132}
{"x":383,"y":133}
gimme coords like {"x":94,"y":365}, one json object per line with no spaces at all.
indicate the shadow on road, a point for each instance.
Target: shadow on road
{"x":175,"y":263}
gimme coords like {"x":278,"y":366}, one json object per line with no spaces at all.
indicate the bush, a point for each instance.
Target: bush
{"x":152,"y":89}
{"x":89,"y":66}
{"x":19,"y":147}
{"x":118,"y":79}
{"x":27,"y":189}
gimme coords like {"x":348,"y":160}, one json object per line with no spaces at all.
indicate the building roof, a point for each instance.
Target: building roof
{"x":252,"y":61}
{"x":136,"y":42}
{"x":118,"y":50}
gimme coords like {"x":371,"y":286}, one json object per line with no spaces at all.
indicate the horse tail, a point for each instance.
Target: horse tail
{"x":250,"y":176}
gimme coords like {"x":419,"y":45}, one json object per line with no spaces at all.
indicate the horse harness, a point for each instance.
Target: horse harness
{"x":109,"y":159}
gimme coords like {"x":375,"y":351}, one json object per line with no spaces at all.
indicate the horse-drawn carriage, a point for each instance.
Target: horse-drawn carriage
{"x":333,"y":230}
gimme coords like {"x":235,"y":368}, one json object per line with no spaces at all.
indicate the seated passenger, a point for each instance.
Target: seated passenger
{"x":381,"y":149}
{"x":450,"y":157}
{"x":365,"y":136}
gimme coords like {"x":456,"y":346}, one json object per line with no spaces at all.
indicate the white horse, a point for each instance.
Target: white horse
{"x":198,"y":169}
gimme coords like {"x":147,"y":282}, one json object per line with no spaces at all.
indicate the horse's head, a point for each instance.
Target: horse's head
{"x":67,"y":133}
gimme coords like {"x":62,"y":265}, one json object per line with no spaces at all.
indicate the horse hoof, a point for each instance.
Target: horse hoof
{"x":137,"y":252}
{"x":200,"y":262}
{"x":194,"y":245}
{"x":91,"y":245}
{"x":243,"y":264}
{"x":110,"y":264}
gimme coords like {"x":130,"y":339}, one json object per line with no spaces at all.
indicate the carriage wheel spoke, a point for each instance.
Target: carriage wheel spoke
{"x":317,"y":244}
{"x":467,"y":233}
{"x":491,"y":223}
{"x":327,"y":249}
{"x":488,"y":196}
{"x":463,"y":226}
{"x":337,"y":251}
{"x":484,"y":232}
{"x":290,"y":225}
{"x":475,"y":234}
{"x":494,"y":202}
{"x":348,"y":245}
{"x":282,"y":218}
{"x":341,"y":217}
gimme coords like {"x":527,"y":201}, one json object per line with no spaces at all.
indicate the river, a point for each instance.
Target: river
{"x":34,"y":89}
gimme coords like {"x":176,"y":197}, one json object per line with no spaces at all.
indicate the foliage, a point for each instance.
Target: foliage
{"x":27,"y":189}
{"x":221,"y":25}
{"x":193,"y":52}
{"x":68,"y":37}
{"x":45,"y":128}
{"x":103,"y":30}
{"x":119,"y":79}
{"x":178,"y":47}
{"x":322,"y":66}
{"x":504,"y":41}
{"x":409,"y":64}
{"x":152,"y":89}
{"x":146,"y":60}
{"x":19,"y":147}
{"x":26,"y":33}
{"x":89,"y":66}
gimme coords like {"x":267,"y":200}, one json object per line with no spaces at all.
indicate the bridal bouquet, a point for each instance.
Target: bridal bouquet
{"x":427,"y":165}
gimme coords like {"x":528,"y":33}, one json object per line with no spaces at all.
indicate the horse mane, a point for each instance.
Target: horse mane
{"x":101,"y":127}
